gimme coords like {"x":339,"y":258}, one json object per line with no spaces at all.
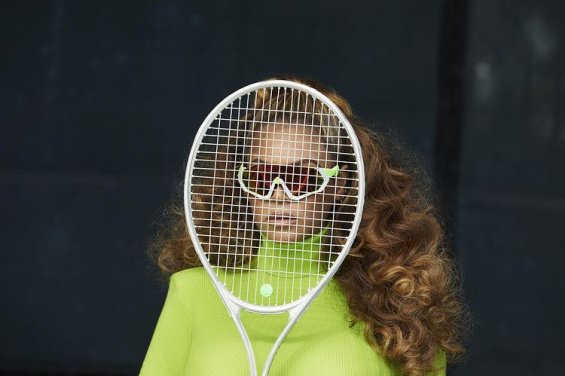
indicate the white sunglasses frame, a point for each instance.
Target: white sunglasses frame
{"x":326,"y":173}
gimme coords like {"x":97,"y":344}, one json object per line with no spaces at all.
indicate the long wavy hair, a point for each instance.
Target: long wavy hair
{"x":399,"y":277}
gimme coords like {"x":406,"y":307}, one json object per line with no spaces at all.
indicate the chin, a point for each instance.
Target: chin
{"x":282,"y":236}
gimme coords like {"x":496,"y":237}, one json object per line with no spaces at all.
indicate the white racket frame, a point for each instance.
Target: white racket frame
{"x":233,"y":304}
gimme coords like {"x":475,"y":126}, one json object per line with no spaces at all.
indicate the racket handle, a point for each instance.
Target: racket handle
{"x":234,"y":311}
{"x":293,"y":316}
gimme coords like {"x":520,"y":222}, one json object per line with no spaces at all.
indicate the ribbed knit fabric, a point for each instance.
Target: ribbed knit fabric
{"x":196,"y":336}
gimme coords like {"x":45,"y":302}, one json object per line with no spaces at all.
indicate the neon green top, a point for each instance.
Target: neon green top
{"x":196,"y":336}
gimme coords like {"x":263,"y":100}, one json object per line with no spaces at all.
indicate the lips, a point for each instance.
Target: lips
{"x":281,"y":217}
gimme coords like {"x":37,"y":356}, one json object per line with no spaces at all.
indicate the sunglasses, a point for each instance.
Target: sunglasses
{"x":297,"y":182}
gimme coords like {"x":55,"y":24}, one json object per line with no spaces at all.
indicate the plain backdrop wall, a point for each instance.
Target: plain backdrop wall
{"x":100,"y":102}
{"x":511,"y":214}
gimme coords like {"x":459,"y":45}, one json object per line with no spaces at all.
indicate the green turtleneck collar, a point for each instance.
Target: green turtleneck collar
{"x":292,"y":259}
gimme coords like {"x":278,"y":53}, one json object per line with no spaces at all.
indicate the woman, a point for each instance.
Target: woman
{"x":393,"y":308}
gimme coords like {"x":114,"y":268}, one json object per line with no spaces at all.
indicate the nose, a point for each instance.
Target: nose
{"x":278,"y":192}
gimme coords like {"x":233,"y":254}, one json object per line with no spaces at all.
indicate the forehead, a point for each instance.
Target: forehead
{"x":286,"y":144}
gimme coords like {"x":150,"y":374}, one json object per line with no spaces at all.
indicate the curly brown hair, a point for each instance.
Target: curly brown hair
{"x":399,"y":277}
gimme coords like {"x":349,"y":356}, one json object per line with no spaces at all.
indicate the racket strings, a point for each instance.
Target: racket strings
{"x":276,"y":126}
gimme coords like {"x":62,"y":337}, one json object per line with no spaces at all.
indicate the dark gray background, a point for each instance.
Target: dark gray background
{"x":100,"y":102}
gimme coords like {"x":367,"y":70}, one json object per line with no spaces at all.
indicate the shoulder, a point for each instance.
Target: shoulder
{"x":188,"y":276}
{"x":189,"y":281}
{"x":194,"y":290}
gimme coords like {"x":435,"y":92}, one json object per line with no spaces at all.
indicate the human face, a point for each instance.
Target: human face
{"x":279,"y":218}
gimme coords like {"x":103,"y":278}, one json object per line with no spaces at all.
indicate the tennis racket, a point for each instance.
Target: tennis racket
{"x":273,"y":198}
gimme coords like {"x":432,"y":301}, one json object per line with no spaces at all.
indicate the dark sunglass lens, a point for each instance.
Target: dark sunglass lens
{"x":300,"y":178}
{"x":253,"y":179}
{"x":315,"y":180}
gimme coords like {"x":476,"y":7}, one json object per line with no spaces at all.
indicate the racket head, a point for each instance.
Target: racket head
{"x":228,"y":224}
